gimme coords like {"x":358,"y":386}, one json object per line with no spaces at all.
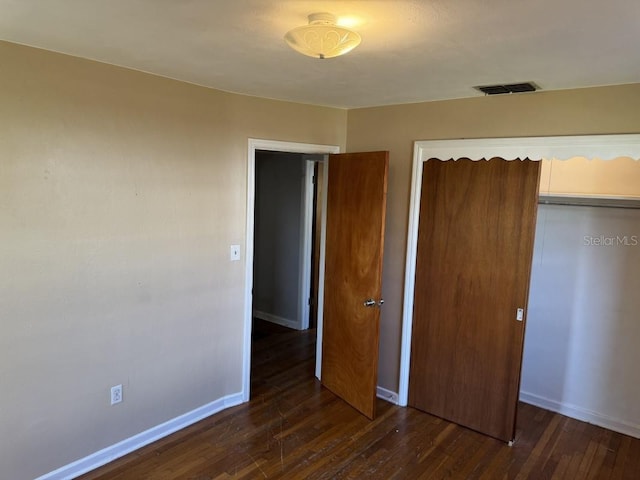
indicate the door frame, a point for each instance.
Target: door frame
{"x":290,"y":147}
{"x":535,"y":148}
{"x":306,"y":232}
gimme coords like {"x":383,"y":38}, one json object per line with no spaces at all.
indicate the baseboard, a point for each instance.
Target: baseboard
{"x":388,"y":395}
{"x":285,"y":322}
{"x":582,"y":414}
{"x":106,"y":455}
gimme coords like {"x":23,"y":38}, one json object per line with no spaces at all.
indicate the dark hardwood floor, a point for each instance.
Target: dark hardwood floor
{"x":293,"y":428}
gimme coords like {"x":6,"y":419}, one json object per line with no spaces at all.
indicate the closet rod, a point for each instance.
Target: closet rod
{"x":590,"y":201}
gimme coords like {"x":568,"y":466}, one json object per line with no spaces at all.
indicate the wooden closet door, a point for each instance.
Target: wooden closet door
{"x":474,"y":253}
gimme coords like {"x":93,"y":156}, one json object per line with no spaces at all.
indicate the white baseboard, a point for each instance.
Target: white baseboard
{"x":131,"y":444}
{"x":388,"y":395}
{"x":579,"y":413}
{"x":285,"y":322}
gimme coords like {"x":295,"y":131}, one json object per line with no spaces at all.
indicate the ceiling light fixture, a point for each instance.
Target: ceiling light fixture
{"x":322,"y":38}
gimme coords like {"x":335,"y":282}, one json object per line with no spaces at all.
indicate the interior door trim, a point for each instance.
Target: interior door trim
{"x":277,"y":146}
{"x":534,"y":148}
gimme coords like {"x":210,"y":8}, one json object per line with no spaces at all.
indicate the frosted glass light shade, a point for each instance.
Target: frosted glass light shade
{"x":322,"y":38}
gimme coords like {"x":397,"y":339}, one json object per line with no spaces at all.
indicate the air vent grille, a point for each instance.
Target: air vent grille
{"x":508,"y":88}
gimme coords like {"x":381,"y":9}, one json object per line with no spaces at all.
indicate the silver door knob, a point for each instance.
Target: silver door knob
{"x":372,"y":303}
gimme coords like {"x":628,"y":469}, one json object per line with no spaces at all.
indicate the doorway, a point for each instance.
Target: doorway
{"x":352,"y":237}
{"x":286,"y":224}
{"x":256,"y":146}
{"x":604,"y":147}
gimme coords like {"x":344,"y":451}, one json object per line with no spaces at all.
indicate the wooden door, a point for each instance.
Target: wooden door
{"x":474,"y":253}
{"x":356,"y":205}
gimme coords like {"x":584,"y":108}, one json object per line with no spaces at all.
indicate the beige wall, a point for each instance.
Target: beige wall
{"x":120,"y":193}
{"x":616,"y":177}
{"x":603,"y":110}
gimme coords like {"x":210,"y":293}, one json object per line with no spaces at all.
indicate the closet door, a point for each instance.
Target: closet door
{"x":475,"y":246}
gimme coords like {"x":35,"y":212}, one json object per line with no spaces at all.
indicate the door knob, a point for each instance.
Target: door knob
{"x":372,"y":303}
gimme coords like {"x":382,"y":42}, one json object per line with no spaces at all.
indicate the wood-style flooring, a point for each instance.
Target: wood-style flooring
{"x":293,"y":428}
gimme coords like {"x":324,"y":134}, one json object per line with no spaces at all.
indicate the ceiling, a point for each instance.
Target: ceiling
{"x":411,"y":51}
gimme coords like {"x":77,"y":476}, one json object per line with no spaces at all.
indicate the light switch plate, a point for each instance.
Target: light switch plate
{"x":234,"y":253}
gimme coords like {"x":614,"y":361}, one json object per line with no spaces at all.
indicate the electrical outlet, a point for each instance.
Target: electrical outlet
{"x":116,"y":394}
